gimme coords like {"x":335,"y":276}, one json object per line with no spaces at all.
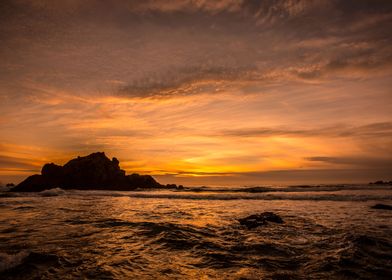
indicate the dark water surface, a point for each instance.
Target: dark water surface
{"x":328,"y":233}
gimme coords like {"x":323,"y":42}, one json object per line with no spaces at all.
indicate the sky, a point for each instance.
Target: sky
{"x":199,"y":92}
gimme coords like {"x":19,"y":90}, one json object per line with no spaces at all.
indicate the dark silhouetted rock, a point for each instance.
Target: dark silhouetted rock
{"x":174,"y":186}
{"x":171,"y":186}
{"x":10,"y":185}
{"x":53,"y":170}
{"x":34,"y":183}
{"x":381,"y":183}
{"x":257,"y":220}
{"x":382,"y":207}
{"x":95,"y":171}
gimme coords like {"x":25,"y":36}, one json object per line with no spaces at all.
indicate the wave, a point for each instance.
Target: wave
{"x":52,"y":192}
{"x":235,"y":196}
{"x":49,"y":192}
{"x":359,"y":256}
{"x":103,"y":244}
{"x":344,"y":255}
{"x":302,"y":192}
{"x":295,"y":188}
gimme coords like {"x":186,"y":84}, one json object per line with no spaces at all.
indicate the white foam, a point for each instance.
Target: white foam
{"x":52,"y":192}
{"x":235,"y":196}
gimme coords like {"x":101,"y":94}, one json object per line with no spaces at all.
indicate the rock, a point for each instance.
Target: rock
{"x":381,"y":183}
{"x":174,"y":186}
{"x":256,"y":220}
{"x":95,"y":171}
{"x":171,"y":186}
{"x":142,"y":181}
{"x":382,"y":206}
{"x":115,"y":161}
{"x":34,"y":183}
{"x":53,"y":173}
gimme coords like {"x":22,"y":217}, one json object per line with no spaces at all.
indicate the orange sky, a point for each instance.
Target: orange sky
{"x":200,"y":92}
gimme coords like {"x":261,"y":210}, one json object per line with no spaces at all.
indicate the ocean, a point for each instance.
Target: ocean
{"x":329,"y":232}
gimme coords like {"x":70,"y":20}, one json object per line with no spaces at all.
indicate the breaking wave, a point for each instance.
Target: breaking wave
{"x":331,"y":197}
{"x":305,"y":192}
{"x":52,"y":192}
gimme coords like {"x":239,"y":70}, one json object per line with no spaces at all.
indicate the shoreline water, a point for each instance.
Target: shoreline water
{"x":317,"y":192}
{"x":68,"y":234}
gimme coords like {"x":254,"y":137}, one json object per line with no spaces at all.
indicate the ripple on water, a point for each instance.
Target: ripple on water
{"x":75,"y":237}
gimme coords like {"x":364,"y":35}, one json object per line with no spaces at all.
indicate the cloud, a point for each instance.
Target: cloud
{"x":12,"y":163}
{"x":294,"y":176}
{"x":383,"y":129}
{"x":163,"y":83}
{"x":169,"y":48}
{"x":368,"y":162}
{"x":356,"y":63}
{"x":186,"y":81}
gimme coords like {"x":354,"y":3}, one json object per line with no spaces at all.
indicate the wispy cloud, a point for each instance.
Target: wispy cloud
{"x":364,"y":162}
{"x":17,"y":163}
{"x":369,"y":130}
{"x":164,"y":48}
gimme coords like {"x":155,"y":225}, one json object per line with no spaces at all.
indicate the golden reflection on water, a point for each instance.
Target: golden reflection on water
{"x":112,"y":234}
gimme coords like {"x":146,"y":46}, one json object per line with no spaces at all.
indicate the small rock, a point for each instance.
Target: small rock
{"x":382,"y":206}
{"x":256,"y":220}
{"x":171,"y":186}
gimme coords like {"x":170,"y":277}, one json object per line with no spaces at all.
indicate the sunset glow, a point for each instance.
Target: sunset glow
{"x":196,"y":92}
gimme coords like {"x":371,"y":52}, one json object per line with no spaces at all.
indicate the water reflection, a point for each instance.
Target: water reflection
{"x":93,"y":235}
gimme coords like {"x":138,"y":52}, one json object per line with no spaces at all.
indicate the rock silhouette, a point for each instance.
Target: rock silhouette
{"x":93,"y":172}
{"x":257,"y":220}
{"x":382,"y":207}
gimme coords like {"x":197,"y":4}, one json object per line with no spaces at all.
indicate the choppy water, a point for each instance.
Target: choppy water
{"x":328,"y":232}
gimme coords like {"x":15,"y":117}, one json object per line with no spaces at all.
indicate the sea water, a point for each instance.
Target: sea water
{"x":329,"y":232}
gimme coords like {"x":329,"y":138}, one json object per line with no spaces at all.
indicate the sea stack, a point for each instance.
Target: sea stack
{"x":93,"y":172}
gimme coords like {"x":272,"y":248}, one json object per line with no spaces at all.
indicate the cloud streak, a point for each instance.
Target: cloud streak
{"x":183,"y":47}
{"x":369,"y":130}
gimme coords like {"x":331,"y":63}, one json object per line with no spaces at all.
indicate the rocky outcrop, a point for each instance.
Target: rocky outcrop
{"x":95,"y":171}
{"x":382,"y":207}
{"x":262,"y":219}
